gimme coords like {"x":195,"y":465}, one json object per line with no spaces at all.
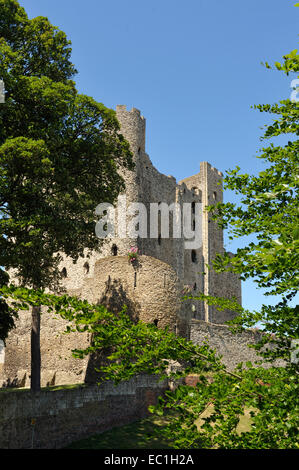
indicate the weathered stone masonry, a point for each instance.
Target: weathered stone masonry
{"x":152,"y":290}
{"x":52,"y":419}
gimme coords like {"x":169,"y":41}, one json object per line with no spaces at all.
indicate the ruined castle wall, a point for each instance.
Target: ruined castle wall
{"x":133,"y":129}
{"x":149,"y":289}
{"x":154,"y":288}
{"x":154,"y":187}
{"x":191,"y":192}
{"x":53,"y":419}
{"x":209,"y":183}
{"x":226,"y":285}
{"x":234,"y":348}
{"x":147,"y":185}
{"x":2,"y":358}
{"x":57,"y":364}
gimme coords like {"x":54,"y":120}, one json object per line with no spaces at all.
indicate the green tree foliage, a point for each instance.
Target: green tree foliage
{"x":7,"y":314}
{"x":60,"y":152}
{"x":269,"y":211}
{"x":208,"y":415}
{"x":268,"y":396}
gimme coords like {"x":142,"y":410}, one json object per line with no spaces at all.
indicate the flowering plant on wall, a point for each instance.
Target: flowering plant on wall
{"x":133,"y":254}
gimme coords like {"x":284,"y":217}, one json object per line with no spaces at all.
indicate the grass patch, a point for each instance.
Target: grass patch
{"x":137,"y":435}
{"x":53,"y":388}
{"x":142,"y":434}
{"x":244,"y":424}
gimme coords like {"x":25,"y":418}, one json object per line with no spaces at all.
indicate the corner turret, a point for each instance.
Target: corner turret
{"x":132,"y":127}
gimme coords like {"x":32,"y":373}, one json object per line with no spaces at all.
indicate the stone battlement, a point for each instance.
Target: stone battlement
{"x":121,"y":108}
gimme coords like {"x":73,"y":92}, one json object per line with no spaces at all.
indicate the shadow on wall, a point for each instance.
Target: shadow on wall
{"x":114,"y":299}
{"x":11,"y":383}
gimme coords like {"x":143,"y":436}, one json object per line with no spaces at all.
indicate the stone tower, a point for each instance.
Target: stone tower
{"x":152,"y":289}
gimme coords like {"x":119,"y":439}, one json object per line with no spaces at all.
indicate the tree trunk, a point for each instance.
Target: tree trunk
{"x":35,"y":349}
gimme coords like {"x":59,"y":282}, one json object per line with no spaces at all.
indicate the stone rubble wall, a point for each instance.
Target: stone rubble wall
{"x":234,"y":348}
{"x":54,"y":419}
{"x":153,"y":291}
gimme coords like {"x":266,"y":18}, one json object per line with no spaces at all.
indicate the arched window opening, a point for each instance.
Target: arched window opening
{"x":114,"y":250}
{"x":135,"y":279}
{"x":64,"y":272}
{"x":86,"y":267}
{"x":193,"y":256}
{"x":193,"y":308}
{"x":215,"y":196}
{"x":156,"y":322}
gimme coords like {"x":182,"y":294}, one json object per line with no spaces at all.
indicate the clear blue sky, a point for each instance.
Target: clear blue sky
{"x":192,"y":67}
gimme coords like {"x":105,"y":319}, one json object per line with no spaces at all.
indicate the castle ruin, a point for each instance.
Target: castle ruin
{"x":151,"y":289}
